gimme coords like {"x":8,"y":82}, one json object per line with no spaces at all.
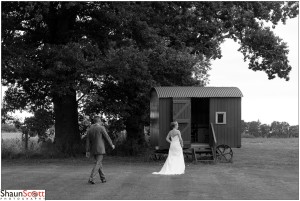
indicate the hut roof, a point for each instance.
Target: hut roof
{"x":198,"y":92}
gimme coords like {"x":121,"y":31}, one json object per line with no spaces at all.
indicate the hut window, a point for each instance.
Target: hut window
{"x":220,"y":117}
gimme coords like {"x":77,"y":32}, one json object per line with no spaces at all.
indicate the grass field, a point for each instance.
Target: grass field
{"x":264,"y":152}
{"x":261,"y":169}
{"x":12,"y":135}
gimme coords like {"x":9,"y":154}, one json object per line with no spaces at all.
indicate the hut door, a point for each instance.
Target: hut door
{"x":182,"y":114}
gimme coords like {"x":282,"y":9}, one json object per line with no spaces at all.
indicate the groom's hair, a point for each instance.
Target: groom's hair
{"x":173,"y":124}
{"x":97,"y":119}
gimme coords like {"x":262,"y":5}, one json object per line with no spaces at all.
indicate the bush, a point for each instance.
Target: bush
{"x":8,"y":128}
{"x":129,"y":148}
{"x":246,"y":135}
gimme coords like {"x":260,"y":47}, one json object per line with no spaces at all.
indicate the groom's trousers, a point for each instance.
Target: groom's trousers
{"x":97,"y":167}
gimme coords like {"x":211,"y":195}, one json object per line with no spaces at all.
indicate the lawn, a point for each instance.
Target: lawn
{"x":261,"y":169}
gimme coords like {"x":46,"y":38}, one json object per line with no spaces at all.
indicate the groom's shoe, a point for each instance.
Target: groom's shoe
{"x":91,"y":182}
{"x":103,"y":180}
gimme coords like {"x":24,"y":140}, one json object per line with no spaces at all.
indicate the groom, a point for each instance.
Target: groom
{"x":95,"y":147}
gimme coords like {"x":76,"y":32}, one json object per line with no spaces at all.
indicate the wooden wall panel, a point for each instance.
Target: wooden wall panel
{"x":165,"y":119}
{"x":154,"y":119}
{"x":229,"y":133}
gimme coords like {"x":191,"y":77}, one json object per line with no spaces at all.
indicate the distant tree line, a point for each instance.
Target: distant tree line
{"x":276,"y":129}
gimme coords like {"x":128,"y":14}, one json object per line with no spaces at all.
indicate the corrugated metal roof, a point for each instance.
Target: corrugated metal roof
{"x":198,"y":92}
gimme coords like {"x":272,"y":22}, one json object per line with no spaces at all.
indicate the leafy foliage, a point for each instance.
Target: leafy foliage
{"x":254,"y":128}
{"x":112,"y":53}
{"x":294,"y":131}
{"x":279,"y":129}
{"x":38,"y":124}
{"x":264,"y":130}
{"x":276,"y":129}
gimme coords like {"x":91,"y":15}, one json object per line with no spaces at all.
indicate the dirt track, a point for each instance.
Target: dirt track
{"x":261,"y":170}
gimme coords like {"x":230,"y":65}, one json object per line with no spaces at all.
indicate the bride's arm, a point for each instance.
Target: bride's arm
{"x":168,"y":138}
{"x":180,"y":138}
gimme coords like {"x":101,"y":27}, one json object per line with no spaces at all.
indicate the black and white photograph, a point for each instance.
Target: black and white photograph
{"x":149,"y":100}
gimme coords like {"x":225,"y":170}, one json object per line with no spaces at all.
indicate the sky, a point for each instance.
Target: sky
{"x":263,"y":99}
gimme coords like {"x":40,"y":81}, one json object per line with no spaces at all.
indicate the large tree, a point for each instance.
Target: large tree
{"x":124,"y":93}
{"x":294,"y":131}
{"x":279,"y":129}
{"x":264,"y":130}
{"x":51,"y":51}
{"x":254,"y":128}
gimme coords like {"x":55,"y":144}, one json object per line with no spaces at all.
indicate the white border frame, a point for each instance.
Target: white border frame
{"x":224,"y":117}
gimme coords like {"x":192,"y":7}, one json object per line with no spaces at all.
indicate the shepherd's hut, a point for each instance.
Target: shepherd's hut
{"x":205,"y":115}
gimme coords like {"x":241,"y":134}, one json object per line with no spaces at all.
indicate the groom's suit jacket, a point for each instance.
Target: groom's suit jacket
{"x":95,"y":139}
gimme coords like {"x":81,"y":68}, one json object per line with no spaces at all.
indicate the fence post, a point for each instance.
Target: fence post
{"x":26,"y":141}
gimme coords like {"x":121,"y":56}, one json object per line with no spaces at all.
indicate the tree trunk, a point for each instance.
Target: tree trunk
{"x":67,"y":137}
{"x":135,"y":135}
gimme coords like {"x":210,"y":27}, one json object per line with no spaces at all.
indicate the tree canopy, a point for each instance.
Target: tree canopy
{"x":112,"y":53}
{"x":275,"y":129}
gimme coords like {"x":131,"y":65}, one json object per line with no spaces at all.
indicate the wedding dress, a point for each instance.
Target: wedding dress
{"x":175,"y":161}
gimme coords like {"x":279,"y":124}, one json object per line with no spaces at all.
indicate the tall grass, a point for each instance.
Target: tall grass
{"x":8,"y":128}
{"x":12,"y":146}
{"x":15,"y":148}
{"x":11,"y":135}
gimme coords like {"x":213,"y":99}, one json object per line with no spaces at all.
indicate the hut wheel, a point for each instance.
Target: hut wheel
{"x":224,"y":153}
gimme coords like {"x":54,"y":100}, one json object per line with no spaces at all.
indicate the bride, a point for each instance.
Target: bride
{"x":175,"y":161}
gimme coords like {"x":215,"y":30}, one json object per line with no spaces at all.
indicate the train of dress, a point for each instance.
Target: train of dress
{"x":174,"y":164}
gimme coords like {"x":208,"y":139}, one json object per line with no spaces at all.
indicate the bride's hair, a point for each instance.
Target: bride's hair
{"x":173,"y":124}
